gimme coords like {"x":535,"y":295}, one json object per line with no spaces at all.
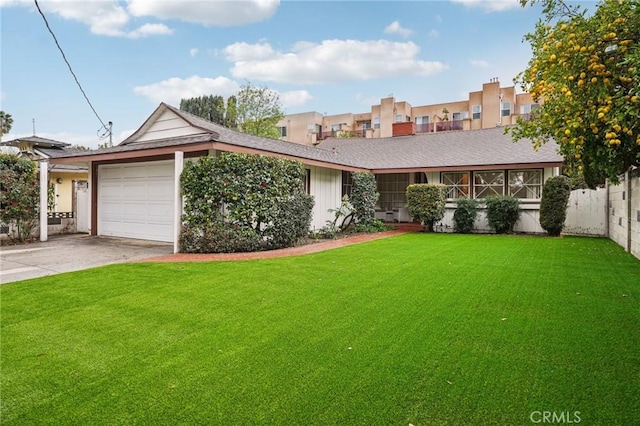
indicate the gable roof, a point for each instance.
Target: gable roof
{"x":431,"y":151}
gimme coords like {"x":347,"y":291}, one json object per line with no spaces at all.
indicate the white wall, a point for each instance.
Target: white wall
{"x":587,"y":213}
{"x":624,"y":213}
{"x":168,"y":125}
{"x":529,"y":221}
{"x":326,"y":188}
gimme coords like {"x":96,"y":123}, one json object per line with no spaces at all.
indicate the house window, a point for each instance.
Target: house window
{"x":398,"y":118}
{"x":457,"y":116}
{"x":525,"y":183}
{"x":283,"y":131}
{"x":393,"y":190}
{"x":376,"y":122}
{"x":307,"y":181}
{"x":476,"y":110}
{"x":505,"y":109}
{"x":488,"y":183}
{"x":366,"y":125}
{"x":347,"y":183}
{"x":422,"y":120}
{"x":336,"y":127}
{"x":458,"y":184}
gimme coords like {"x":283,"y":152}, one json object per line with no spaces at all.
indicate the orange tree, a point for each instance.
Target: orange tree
{"x":585,"y":70}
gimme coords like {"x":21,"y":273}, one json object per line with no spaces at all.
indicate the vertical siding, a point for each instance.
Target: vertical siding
{"x":326,"y":188}
{"x":586,"y":213}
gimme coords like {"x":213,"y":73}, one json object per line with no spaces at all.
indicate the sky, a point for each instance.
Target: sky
{"x":332,"y":57}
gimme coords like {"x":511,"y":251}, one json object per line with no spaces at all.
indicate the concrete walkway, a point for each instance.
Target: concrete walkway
{"x":64,"y":253}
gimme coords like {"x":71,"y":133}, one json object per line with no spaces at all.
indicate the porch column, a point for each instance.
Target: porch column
{"x":177,"y":206}
{"x":44,"y":196}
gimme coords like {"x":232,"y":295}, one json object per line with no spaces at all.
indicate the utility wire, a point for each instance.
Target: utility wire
{"x":69,"y":65}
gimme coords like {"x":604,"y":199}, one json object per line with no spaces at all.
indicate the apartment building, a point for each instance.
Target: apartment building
{"x":490,"y":107}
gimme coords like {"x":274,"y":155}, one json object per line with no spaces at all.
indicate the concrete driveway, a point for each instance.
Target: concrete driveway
{"x":64,"y":253}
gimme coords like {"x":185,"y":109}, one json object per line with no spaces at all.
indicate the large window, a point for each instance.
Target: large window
{"x":393,"y":190}
{"x":488,"y":183}
{"x":458,"y":184}
{"x":376,"y":122}
{"x":525,"y":183}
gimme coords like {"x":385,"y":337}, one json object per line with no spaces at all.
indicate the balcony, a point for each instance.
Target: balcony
{"x":440,"y":126}
{"x":342,"y":134}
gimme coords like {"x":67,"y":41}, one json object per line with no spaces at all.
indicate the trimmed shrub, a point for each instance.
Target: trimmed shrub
{"x":426,"y":202}
{"x":240,"y":202}
{"x":465,"y":215}
{"x":19,"y":196}
{"x":502,"y":212}
{"x":364,"y":197}
{"x":553,"y":206}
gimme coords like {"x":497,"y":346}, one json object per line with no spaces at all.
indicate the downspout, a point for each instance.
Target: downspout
{"x":44,"y":193}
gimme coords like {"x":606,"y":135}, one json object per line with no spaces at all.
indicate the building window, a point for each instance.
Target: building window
{"x":393,"y":190}
{"x":457,"y":116}
{"x":525,"y":183}
{"x":336,"y":127}
{"x":347,"y":183}
{"x":458,"y":184}
{"x":422,"y":120}
{"x":528,"y":108}
{"x":476,"y":110}
{"x":505,"y":109}
{"x":283,"y":131}
{"x":366,"y":125}
{"x":376,"y":122}
{"x":488,"y":183}
{"x":398,"y":118}
{"x":307,"y":181}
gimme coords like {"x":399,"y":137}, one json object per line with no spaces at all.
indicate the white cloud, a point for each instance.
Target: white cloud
{"x":329,"y":61}
{"x":396,"y":28}
{"x":149,"y":30}
{"x":221,"y":13}
{"x":434,"y":33}
{"x":294,"y":98}
{"x":193,"y":52}
{"x":172,"y":90}
{"x":479,"y":63}
{"x":491,"y":5}
{"x":438,"y":19}
{"x":239,"y":52}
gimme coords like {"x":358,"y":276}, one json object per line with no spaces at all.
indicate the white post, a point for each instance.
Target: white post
{"x":177,"y":199}
{"x":44,"y":196}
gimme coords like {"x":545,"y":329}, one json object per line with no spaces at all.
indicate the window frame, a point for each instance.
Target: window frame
{"x":476,"y":112}
{"x":491,"y":185}
{"x":457,"y":185}
{"x":526,"y":184}
{"x":504,"y":110}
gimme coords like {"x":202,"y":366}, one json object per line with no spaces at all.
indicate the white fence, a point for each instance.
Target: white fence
{"x":624,"y":212}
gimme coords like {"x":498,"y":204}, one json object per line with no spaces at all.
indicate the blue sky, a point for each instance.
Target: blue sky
{"x":326,"y":56}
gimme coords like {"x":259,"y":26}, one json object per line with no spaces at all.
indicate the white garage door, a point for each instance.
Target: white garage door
{"x":135,"y":200}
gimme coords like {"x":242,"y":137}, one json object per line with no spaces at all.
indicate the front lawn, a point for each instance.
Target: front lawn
{"x":414,"y":329}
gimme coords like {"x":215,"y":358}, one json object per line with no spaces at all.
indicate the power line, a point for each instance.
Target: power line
{"x":69,"y":65}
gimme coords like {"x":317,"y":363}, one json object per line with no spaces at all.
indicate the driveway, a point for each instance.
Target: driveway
{"x":64,"y":253}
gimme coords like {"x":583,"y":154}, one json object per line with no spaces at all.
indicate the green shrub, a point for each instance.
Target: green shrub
{"x":502,"y":212}
{"x":371,"y":228}
{"x":553,"y":206}
{"x":19,"y":195}
{"x":426,"y":202}
{"x":364,"y":197}
{"x":465,"y":215}
{"x":241,"y":202}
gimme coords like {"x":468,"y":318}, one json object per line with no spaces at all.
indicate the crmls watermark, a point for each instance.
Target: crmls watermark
{"x":565,"y":417}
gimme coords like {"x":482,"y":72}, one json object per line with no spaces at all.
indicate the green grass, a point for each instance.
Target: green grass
{"x":420,"y":328}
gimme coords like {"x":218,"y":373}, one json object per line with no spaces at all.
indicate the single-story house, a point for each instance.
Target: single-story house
{"x":134,"y":186}
{"x":64,"y":180}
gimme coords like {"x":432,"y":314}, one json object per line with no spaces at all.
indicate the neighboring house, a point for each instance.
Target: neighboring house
{"x":483,"y":109}
{"x":64,"y":179}
{"x":135,"y":185}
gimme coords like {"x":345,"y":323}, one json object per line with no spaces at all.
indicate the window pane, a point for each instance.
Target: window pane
{"x":525,"y":183}
{"x":458,"y":184}
{"x":487,"y":184}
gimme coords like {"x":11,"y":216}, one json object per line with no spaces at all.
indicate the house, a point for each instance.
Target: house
{"x":64,"y":180}
{"x":484,"y":109}
{"x":134,"y":187}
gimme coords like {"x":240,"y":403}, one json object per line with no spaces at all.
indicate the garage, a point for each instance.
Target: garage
{"x":136,"y":200}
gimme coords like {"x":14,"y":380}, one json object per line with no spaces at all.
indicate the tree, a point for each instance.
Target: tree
{"x":364,"y":197}
{"x":426,"y":202}
{"x":231,"y":118}
{"x":259,"y":111}
{"x":586,"y":71}
{"x":553,"y":206}
{"x":208,"y":107}
{"x":19,"y":195}
{"x":6,"y":122}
